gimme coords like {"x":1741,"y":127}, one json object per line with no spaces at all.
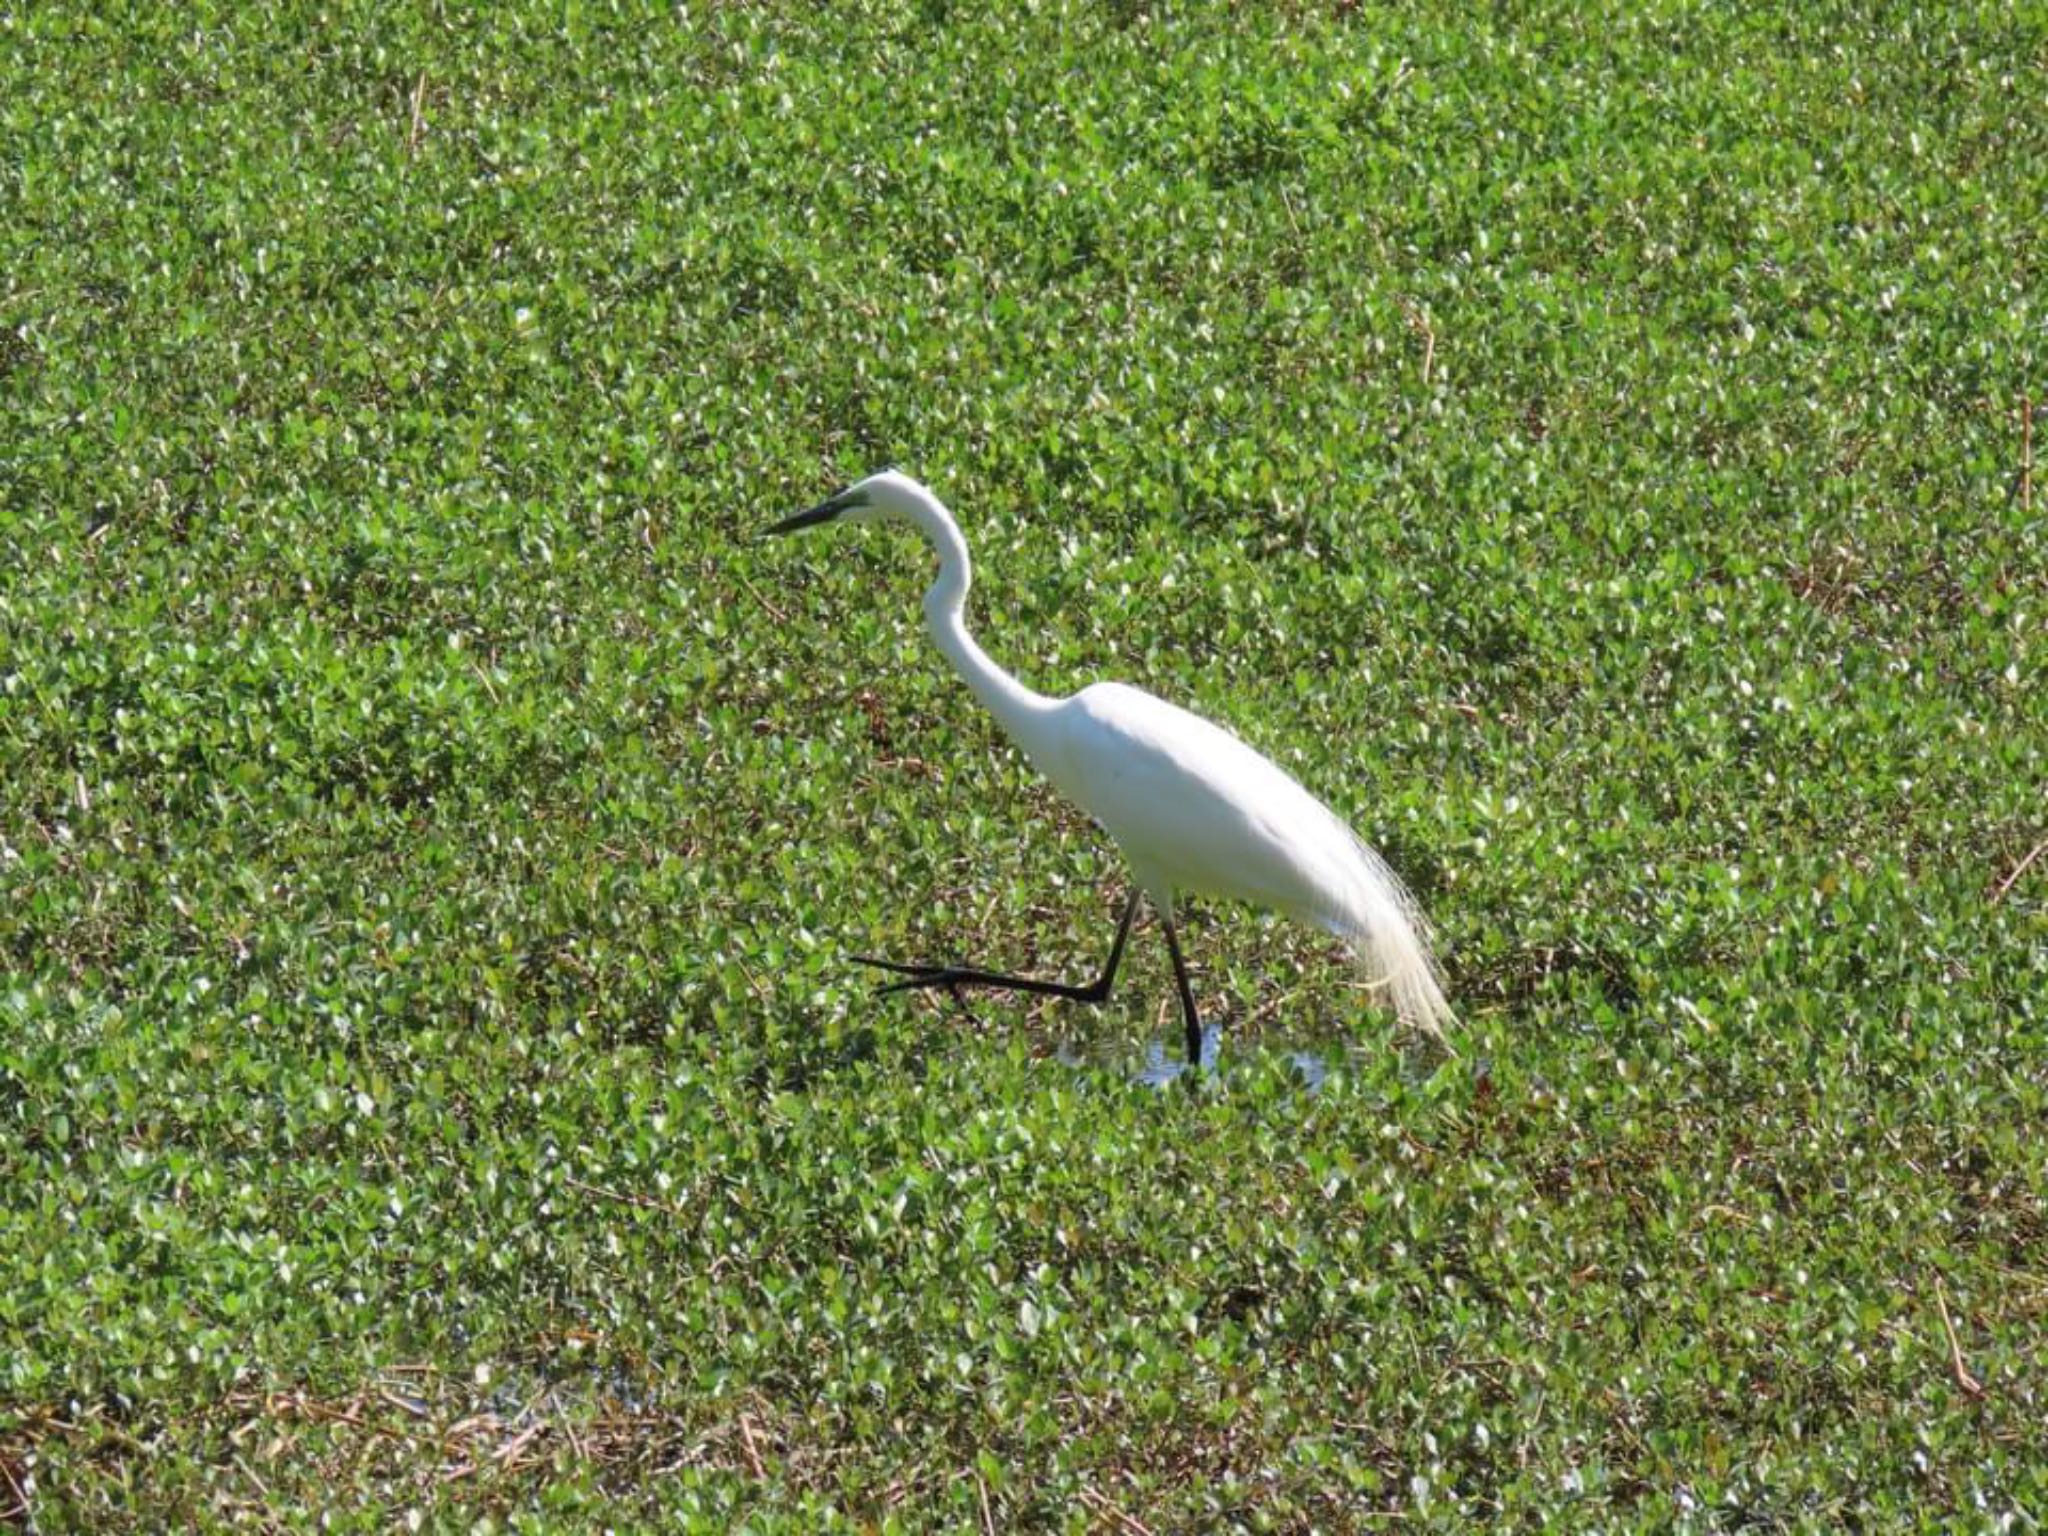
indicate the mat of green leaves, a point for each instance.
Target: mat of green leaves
{"x":1584,"y":443}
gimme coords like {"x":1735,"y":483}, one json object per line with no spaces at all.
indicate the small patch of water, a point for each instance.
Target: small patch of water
{"x":1164,"y":1061}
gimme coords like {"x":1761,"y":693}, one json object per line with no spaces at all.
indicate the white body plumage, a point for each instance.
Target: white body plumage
{"x":1194,"y":809}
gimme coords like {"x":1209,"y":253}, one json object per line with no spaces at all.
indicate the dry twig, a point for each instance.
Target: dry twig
{"x":1101,"y":1505}
{"x":1969,"y":1385}
{"x":2017,"y":870}
{"x":754,"y":1462}
{"x":19,"y":1507}
{"x":773,"y":612}
{"x":2027,"y":455}
{"x":419,"y":100}
{"x":504,"y":1453}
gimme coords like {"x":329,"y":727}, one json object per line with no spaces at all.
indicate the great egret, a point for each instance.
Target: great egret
{"x":1193,"y":808}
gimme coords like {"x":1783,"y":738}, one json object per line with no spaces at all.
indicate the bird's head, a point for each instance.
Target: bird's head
{"x":879,"y":498}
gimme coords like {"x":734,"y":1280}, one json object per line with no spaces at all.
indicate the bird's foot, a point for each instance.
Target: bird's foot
{"x":914,"y":975}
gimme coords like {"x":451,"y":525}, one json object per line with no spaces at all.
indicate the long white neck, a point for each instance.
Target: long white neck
{"x":945,"y":605}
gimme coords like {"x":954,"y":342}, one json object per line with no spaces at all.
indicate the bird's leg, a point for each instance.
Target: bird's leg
{"x":1187,"y":997}
{"x":1096,"y":991}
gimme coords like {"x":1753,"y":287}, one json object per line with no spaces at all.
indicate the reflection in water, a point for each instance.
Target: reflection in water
{"x":1313,"y":1068}
{"x":1164,"y":1063}
{"x":1162,"y":1067}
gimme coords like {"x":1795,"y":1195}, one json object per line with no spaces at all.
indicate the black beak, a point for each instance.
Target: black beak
{"x":823,"y":512}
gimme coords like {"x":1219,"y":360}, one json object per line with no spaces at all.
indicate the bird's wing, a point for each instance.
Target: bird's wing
{"x":1195,"y":809}
{"x":1191,"y":804}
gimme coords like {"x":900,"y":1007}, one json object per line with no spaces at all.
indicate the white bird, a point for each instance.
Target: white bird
{"x":1192,"y":808}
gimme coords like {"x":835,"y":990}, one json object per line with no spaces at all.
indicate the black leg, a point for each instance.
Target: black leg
{"x":1096,"y":991}
{"x":1187,"y":998}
